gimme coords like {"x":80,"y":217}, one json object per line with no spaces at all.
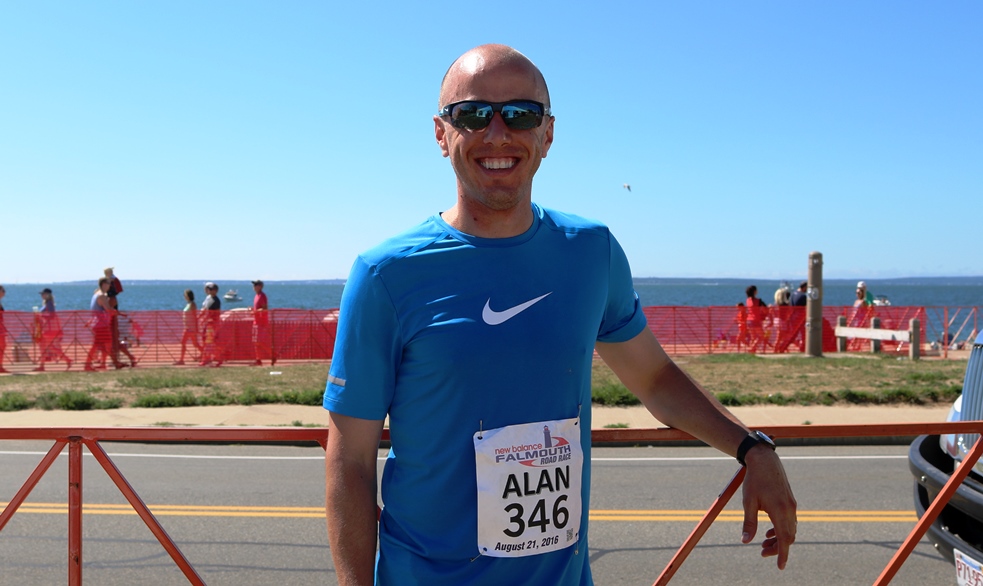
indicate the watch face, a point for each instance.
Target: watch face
{"x":765,"y":439}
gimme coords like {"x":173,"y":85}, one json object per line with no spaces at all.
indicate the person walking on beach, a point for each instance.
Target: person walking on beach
{"x":743,"y":338}
{"x":797,"y":318}
{"x":800,"y":296}
{"x":101,"y":324}
{"x":115,"y":288}
{"x":51,"y":332}
{"x":3,"y":332}
{"x":757,"y":313}
{"x":483,"y":368}
{"x":781,"y":314}
{"x":864,"y":297}
{"x":189,"y":319}
{"x":262,"y":341}
{"x":210,"y":319}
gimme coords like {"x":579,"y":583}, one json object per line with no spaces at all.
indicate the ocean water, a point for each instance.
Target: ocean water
{"x":163,"y":295}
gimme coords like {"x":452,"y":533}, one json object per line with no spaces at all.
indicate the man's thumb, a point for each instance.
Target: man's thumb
{"x":750,"y":527}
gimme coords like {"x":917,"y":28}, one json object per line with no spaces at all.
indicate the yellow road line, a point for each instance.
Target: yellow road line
{"x":728,"y":516}
{"x":738,"y":516}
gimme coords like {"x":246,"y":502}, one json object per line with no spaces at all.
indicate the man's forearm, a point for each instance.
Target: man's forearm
{"x":679,"y":402}
{"x":669,"y":394}
{"x":351,"y":514}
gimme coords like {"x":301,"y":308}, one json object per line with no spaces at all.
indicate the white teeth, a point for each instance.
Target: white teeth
{"x":498,"y":163}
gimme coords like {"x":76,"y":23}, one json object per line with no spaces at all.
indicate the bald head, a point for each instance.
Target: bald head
{"x":487,"y":60}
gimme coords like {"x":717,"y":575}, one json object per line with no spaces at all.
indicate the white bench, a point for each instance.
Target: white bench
{"x":875,"y":334}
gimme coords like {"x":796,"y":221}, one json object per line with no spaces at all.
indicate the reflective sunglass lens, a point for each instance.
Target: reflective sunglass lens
{"x":518,"y":115}
{"x":521,"y":117}
{"x":472,"y":116}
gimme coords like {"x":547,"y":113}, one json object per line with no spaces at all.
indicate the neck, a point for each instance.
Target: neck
{"x":488,"y":223}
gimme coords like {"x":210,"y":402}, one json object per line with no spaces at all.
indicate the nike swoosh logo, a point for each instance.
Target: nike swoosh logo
{"x":494,"y":318}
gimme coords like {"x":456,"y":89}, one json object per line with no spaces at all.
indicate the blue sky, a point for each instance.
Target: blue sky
{"x":232,"y":140}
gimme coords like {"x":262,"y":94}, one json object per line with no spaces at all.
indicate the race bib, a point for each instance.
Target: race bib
{"x":529,"y":480}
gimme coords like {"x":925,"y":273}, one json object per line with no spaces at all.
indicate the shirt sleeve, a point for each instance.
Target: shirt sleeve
{"x":368,"y":348}
{"x":623,"y":317}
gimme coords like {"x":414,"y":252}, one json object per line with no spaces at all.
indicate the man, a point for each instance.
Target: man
{"x":261,"y":325}
{"x":210,"y":319}
{"x":474,"y":333}
{"x":864,"y":297}
{"x":800,"y":296}
{"x":115,"y":288}
{"x":50,"y":332}
{"x":101,"y":324}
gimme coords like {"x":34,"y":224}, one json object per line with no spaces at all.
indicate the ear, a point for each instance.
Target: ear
{"x":548,"y":136}
{"x":440,"y":133}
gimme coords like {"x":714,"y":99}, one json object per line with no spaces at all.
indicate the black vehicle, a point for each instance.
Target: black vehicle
{"x":958,"y":531}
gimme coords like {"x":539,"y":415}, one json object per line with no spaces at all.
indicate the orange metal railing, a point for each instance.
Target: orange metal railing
{"x":75,"y":438}
{"x":820,"y":431}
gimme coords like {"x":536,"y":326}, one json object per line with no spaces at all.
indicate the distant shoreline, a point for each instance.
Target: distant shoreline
{"x":915,"y":281}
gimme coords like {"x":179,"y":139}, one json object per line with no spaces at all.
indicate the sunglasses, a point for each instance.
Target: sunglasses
{"x":477,"y":115}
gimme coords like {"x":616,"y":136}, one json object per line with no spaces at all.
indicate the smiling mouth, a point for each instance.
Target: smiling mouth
{"x":498,"y":163}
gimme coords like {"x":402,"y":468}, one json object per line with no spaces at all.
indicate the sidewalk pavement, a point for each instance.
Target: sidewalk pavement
{"x":286,"y":415}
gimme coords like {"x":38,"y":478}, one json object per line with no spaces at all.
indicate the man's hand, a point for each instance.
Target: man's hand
{"x":766,"y":489}
{"x":677,"y":401}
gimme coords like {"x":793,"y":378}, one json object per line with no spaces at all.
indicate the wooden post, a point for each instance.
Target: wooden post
{"x":841,"y":341}
{"x":814,"y":306}
{"x":875,"y":344}
{"x":914,"y":344}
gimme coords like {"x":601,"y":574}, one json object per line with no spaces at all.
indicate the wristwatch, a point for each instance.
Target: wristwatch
{"x":754,"y":438}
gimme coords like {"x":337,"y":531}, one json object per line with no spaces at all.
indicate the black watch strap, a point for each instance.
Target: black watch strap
{"x":754,"y":438}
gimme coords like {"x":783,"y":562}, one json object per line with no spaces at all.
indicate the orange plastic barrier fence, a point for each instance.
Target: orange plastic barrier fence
{"x":75,"y":438}
{"x":709,"y":330}
{"x":155,"y":337}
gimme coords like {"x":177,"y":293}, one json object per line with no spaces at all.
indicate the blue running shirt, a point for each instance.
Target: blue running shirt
{"x":448,"y":335}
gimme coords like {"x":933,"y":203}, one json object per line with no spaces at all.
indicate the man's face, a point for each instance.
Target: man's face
{"x":258,"y":288}
{"x":494,"y":166}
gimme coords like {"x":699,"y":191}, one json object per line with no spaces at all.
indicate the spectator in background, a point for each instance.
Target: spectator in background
{"x":115,"y":288}
{"x":757,"y":313}
{"x":210,"y":318}
{"x":742,"y":336}
{"x":863,"y":307}
{"x":127,"y":333}
{"x":799,"y":296}
{"x":797,"y":321}
{"x":782,"y":295}
{"x":864,"y":297}
{"x":781,"y":311}
{"x":261,"y":325}
{"x":101,"y":324}
{"x":3,"y":332}
{"x":190,"y":321}
{"x":51,"y":332}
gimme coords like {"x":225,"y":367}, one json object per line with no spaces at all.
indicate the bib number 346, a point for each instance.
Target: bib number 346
{"x":529,"y":480}
{"x":538,"y":517}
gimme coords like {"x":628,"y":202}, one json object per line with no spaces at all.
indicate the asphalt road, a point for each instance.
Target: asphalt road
{"x":252,"y":515}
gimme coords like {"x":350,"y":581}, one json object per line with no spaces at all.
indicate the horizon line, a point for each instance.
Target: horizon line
{"x":638,"y":278}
